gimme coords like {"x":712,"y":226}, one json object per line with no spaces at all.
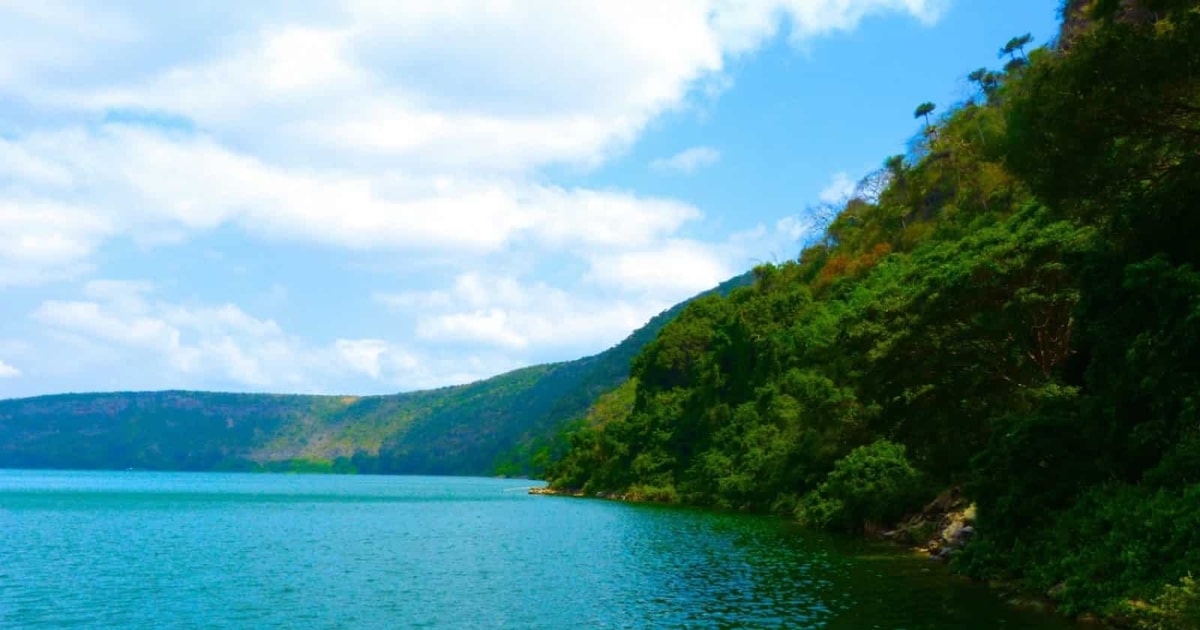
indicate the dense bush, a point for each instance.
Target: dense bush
{"x":873,"y":485}
{"x":1115,"y":543}
{"x":1176,"y":608}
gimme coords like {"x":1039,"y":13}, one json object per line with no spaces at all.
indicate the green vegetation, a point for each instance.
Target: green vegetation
{"x":873,"y":484}
{"x":504,"y":424}
{"x":542,"y":439}
{"x":1177,"y":607}
{"x":1013,"y":307}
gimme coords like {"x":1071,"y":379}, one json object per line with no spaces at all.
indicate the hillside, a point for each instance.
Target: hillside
{"x":453,"y":430}
{"x":1011,"y":309}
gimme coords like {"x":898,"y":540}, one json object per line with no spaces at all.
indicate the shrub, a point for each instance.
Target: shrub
{"x":1176,"y":608}
{"x":872,"y":485}
{"x":653,"y":494}
{"x":1119,"y":541}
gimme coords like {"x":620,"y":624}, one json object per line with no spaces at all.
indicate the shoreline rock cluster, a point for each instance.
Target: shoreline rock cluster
{"x":548,"y":491}
{"x":940,"y":530}
{"x":611,"y":496}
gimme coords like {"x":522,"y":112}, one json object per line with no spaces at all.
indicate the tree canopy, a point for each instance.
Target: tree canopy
{"x":1016,"y":311}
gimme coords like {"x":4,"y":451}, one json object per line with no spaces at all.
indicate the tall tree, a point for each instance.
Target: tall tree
{"x":977,"y":76}
{"x":924,"y":110}
{"x":1016,"y":45}
{"x":987,"y":81}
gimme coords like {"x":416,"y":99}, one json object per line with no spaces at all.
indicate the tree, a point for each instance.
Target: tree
{"x":895,"y":165}
{"x":977,"y":77}
{"x":925,"y":109}
{"x":991,"y":81}
{"x":985,"y":79}
{"x":1015,"y":45}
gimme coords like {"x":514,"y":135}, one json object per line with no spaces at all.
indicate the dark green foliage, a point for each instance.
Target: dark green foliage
{"x":1120,"y":540}
{"x":1110,"y":134}
{"x":923,"y":111}
{"x":543,"y":439}
{"x":873,"y":484}
{"x":585,"y":439}
{"x":1014,"y":308}
{"x":1016,"y":45}
{"x":1176,"y":607}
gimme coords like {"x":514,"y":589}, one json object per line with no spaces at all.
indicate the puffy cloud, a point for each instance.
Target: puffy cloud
{"x":145,"y":179}
{"x":368,"y":356}
{"x":359,"y":123}
{"x":8,"y":371}
{"x":448,"y":85}
{"x":222,"y":343}
{"x":620,"y":291}
{"x":222,"y":340}
{"x":424,"y":128}
{"x":46,"y":240}
{"x":688,"y":160}
{"x":76,"y":30}
{"x":502,"y":311}
{"x":778,"y":243}
{"x":676,"y":268}
{"x":226,"y":346}
{"x":838,"y":190}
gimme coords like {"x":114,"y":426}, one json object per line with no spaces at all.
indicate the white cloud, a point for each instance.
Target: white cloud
{"x":621,"y":290}
{"x":688,"y":160}
{"x":8,"y":371}
{"x":146,"y":180}
{"x":777,"y":243}
{"x":126,"y":295}
{"x":46,"y":240}
{"x":426,"y":129}
{"x":367,"y":356}
{"x":222,"y":340}
{"x":838,"y":190}
{"x":491,"y":326}
{"x":794,"y":229}
{"x":359,"y":124}
{"x":677,"y":268}
{"x":25,"y":29}
{"x":224,"y":344}
{"x":503,"y":312}
{"x":447,"y":85}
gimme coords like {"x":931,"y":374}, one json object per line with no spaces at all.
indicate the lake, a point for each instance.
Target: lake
{"x":208,"y":550}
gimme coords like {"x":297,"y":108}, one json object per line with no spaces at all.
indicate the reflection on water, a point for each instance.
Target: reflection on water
{"x":151,"y":550}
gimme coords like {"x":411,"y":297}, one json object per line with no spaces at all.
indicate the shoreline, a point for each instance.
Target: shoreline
{"x":956,"y":529}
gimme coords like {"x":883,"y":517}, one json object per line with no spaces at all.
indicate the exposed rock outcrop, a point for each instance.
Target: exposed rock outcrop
{"x":941,"y":529}
{"x":548,"y":491}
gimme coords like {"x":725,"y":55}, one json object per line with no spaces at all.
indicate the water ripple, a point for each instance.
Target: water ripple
{"x":157,"y":550}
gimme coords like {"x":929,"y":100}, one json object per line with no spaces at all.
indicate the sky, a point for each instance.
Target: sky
{"x":359,"y":196}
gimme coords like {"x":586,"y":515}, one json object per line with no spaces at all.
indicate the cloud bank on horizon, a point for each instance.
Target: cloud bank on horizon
{"x":174,"y":181}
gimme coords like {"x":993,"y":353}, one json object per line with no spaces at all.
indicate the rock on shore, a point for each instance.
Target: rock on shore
{"x":941,"y":529}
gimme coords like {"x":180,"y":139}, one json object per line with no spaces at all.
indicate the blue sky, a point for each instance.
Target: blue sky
{"x":351,"y":196}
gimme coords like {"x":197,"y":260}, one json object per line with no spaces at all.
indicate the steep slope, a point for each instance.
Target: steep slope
{"x":452,"y":430}
{"x":1013,"y":312}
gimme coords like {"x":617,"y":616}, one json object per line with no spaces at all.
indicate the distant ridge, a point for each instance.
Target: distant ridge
{"x":451,"y":430}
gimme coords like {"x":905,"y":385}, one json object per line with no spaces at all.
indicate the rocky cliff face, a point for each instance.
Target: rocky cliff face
{"x":1079,"y":15}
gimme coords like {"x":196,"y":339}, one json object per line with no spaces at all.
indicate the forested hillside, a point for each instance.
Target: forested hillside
{"x":453,"y":430}
{"x":1013,"y":307}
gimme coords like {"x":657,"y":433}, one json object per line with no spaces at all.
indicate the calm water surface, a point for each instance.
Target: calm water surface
{"x":198,"y":550}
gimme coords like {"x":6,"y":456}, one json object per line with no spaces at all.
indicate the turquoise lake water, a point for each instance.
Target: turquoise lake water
{"x":199,"y":550}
